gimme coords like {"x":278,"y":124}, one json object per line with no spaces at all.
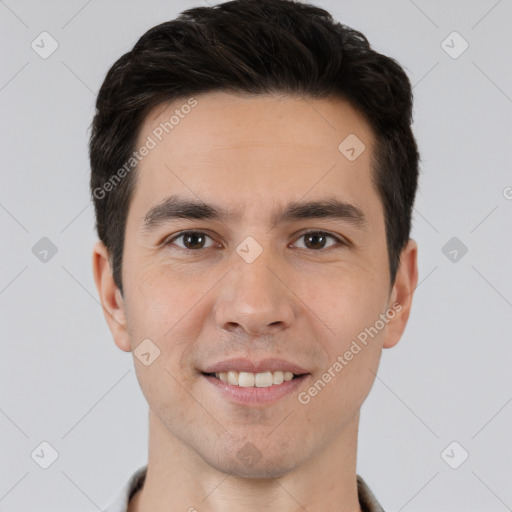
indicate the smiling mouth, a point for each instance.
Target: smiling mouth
{"x":259,"y":380}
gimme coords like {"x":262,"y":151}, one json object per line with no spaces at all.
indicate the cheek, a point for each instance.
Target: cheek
{"x":351,"y":306}
{"x":347,"y":298}
{"x":165,"y":390}
{"x":162,"y":299}
{"x":352,"y":358}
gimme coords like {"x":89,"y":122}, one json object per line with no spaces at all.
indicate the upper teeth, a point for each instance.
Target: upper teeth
{"x":259,"y":380}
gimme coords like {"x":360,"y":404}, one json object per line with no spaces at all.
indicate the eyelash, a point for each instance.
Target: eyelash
{"x":339,"y":241}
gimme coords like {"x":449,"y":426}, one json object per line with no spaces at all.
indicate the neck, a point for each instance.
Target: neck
{"x":179,"y":479}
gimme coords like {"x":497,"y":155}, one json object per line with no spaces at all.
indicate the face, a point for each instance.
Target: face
{"x":263,"y":277}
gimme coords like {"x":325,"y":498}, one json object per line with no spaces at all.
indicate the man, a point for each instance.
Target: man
{"x":253,"y":175}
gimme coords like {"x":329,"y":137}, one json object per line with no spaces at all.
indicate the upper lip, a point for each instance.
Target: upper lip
{"x":252,"y":366}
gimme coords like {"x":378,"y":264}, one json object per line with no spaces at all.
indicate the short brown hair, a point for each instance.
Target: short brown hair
{"x":255,"y":47}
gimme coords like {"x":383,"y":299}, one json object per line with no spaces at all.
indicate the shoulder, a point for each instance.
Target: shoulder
{"x":134,"y":483}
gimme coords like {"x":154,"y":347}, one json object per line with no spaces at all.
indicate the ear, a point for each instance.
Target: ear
{"x":402,"y":293}
{"x":111,"y":299}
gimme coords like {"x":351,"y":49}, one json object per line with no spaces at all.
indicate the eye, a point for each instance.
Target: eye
{"x":192,"y":240}
{"x":314,"y":239}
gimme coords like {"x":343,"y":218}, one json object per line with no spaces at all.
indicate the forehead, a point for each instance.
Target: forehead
{"x":226,"y":121}
{"x":244,"y":148}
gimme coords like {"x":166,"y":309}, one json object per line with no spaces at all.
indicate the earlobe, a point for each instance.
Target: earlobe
{"x":402,"y":294}
{"x":110,"y":297}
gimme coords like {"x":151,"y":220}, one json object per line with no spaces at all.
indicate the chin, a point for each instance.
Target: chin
{"x":259,"y":471}
{"x":245,"y":460}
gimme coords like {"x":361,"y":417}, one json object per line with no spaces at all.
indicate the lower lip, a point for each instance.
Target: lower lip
{"x":254,"y":395}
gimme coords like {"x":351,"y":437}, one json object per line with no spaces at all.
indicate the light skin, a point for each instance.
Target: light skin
{"x":302,"y":299}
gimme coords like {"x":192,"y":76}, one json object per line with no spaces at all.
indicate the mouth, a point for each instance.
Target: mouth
{"x":254,"y":382}
{"x":254,"y":390}
{"x":257,"y":380}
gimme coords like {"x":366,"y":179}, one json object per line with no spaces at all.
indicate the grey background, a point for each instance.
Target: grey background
{"x":63,"y":380}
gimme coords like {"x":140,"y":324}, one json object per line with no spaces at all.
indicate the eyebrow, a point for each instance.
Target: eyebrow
{"x":176,"y":207}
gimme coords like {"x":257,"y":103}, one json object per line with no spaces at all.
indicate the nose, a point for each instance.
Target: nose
{"x":255,"y":298}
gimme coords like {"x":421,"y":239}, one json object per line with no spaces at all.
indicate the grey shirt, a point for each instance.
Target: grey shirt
{"x":366,"y":498}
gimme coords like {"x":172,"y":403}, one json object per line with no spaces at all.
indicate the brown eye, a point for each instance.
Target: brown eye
{"x":316,"y":240}
{"x":192,"y":240}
